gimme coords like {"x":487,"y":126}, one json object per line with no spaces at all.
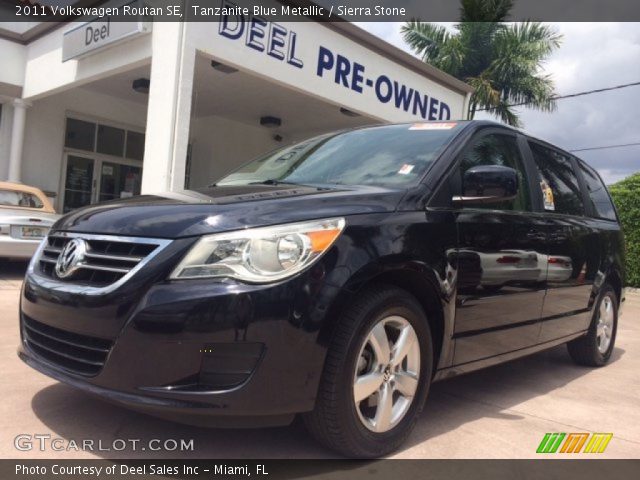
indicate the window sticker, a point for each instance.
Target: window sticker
{"x":406,"y":169}
{"x":547,"y":196}
{"x":433,"y":126}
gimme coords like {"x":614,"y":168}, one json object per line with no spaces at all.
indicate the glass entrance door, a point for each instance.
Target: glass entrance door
{"x":119,"y":180}
{"x":79,"y":182}
{"x":93,"y":179}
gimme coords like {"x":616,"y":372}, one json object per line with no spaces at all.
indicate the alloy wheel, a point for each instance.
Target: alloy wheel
{"x":387,"y":374}
{"x":604,"y":327}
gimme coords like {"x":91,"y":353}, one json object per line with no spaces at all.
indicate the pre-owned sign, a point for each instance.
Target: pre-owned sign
{"x":281,"y":43}
{"x":334,"y":63}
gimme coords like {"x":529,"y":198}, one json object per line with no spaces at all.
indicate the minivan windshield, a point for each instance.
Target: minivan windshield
{"x":392,"y":155}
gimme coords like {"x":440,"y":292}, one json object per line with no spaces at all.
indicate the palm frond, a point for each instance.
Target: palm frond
{"x":527,"y":44}
{"x":426,"y":39}
{"x":476,"y":40}
{"x":502,"y":62}
{"x":505,"y":113}
{"x":484,"y":94}
{"x":532,"y":91}
{"x":485,"y":10}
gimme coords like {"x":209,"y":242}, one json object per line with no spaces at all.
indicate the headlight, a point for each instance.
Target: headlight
{"x":260,"y":255}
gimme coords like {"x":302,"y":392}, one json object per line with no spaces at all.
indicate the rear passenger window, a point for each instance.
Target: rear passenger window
{"x":502,"y":150}
{"x":598,"y":195}
{"x":557,"y":174}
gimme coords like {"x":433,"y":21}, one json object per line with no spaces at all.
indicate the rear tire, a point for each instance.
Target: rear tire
{"x":359,"y":419}
{"x":595,"y":348}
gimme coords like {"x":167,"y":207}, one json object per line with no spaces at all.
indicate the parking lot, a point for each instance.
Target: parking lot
{"x":502,"y":412}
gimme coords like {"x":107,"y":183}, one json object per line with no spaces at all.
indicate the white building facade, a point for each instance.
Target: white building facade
{"x":102,"y":110}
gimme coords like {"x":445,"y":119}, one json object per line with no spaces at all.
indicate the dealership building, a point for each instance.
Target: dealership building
{"x":97,"y":110}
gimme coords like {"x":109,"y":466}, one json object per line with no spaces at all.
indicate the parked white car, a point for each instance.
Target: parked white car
{"x":26,"y":215}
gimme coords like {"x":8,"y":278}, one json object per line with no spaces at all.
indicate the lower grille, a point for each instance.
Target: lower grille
{"x":76,"y":353}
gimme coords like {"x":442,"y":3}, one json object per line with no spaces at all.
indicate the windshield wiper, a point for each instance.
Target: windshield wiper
{"x":273,"y":181}
{"x":270,"y":181}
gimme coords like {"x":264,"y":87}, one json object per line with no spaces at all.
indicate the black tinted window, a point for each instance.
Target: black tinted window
{"x":110,"y":140}
{"x":80,"y":135}
{"x":598,"y":195}
{"x":135,"y":145}
{"x":499,"y":150}
{"x":557,"y":175}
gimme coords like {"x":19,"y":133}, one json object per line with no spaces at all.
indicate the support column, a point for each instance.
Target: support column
{"x":17,"y":139}
{"x":6,"y":119}
{"x":169,"y":108}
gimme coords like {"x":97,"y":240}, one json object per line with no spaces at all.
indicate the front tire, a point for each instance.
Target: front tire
{"x":595,"y":348}
{"x":376,"y":376}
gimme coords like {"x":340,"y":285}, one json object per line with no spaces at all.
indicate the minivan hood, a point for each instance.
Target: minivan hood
{"x":225,"y":208}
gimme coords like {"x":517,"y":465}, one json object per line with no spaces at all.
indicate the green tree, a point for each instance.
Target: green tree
{"x":626,"y":196}
{"x":501,"y":61}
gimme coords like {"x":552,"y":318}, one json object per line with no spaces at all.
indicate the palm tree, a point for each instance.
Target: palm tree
{"x":501,"y":61}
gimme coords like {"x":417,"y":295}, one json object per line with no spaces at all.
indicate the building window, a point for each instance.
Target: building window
{"x":110,"y":141}
{"x":104,"y":139}
{"x":80,"y":135}
{"x":103,"y":162}
{"x":135,"y":145}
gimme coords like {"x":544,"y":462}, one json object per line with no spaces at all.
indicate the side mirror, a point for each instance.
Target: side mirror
{"x":488,"y":184}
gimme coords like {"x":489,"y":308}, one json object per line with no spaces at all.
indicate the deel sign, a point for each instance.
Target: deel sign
{"x":95,"y":33}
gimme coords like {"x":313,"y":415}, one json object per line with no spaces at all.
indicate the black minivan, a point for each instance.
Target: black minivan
{"x":335,"y":278}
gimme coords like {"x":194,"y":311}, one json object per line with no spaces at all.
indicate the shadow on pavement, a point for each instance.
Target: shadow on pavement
{"x":496,"y":389}
{"x":72,"y":414}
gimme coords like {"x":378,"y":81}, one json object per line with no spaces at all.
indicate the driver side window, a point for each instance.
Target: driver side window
{"x":500,"y":150}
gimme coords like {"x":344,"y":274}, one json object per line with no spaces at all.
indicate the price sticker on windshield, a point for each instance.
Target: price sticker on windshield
{"x":433,"y":126}
{"x":406,"y":169}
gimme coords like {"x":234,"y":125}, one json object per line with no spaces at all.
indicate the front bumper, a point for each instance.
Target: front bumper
{"x":203,"y":352}
{"x":17,"y":248}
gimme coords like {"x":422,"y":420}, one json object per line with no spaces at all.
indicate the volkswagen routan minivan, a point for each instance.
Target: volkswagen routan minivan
{"x":334,"y":279}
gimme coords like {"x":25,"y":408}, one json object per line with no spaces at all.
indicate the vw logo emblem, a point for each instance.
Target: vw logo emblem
{"x":71,"y":257}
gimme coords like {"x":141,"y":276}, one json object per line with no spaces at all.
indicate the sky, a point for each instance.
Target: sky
{"x":592,"y":55}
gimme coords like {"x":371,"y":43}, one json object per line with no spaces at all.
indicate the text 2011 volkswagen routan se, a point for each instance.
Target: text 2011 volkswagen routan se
{"x":335,"y":278}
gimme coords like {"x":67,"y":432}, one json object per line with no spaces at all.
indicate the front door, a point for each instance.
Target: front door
{"x":501,"y":262}
{"x":79,"y":182}
{"x":91,"y":178}
{"x":118,"y":180}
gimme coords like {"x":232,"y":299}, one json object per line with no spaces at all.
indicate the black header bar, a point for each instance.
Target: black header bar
{"x":320,"y":469}
{"x":305,"y":10}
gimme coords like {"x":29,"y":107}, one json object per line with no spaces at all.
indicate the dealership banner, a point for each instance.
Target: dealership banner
{"x":320,"y":469}
{"x":306,"y":10}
